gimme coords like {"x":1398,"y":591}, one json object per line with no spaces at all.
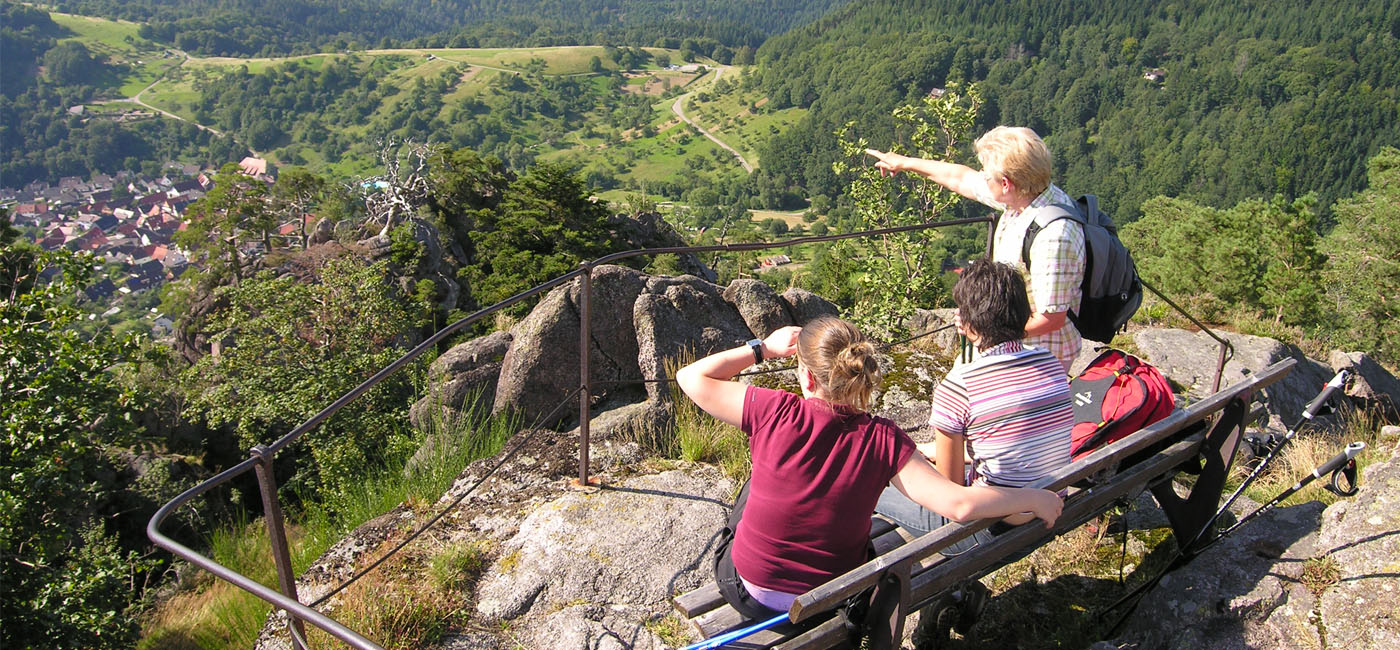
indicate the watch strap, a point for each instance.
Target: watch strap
{"x":757,"y":346}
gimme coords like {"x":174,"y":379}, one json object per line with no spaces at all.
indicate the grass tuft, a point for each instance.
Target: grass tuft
{"x":701,"y":438}
{"x":399,"y":606}
{"x":457,"y":566}
{"x":1310,"y":448}
{"x":1319,"y":573}
{"x":218,"y":615}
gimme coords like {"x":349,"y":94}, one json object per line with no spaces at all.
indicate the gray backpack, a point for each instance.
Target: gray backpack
{"x":1111,"y":289}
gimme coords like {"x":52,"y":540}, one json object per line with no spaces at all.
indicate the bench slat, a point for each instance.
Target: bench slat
{"x":702,"y":600}
{"x":725,"y":619}
{"x":827,"y":635}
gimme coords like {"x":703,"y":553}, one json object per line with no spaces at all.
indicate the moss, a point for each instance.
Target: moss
{"x":904,"y":373}
{"x":509,"y":561}
{"x":777,"y":379}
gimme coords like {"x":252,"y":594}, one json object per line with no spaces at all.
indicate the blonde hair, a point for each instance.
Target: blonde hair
{"x":1018,"y":154}
{"x":841,"y":359}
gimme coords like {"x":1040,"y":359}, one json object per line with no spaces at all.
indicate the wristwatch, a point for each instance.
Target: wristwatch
{"x":757,"y":346}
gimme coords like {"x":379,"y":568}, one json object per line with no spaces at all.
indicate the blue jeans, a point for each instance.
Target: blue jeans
{"x":920,"y":520}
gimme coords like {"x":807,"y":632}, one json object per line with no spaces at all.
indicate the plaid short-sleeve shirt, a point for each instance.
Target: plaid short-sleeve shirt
{"x":1057,"y":265}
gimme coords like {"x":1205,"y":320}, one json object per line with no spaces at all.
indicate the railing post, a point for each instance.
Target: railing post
{"x":1219,"y":369}
{"x":281,"y":554}
{"x":585,"y":336}
{"x":992,"y":235}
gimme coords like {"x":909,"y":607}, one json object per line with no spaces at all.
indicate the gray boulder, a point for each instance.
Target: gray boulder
{"x":928,"y":320}
{"x":762,"y":309}
{"x":1189,"y":359}
{"x":424,"y":234}
{"x":1268,"y":585}
{"x":678,"y":318}
{"x":542,"y":367}
{"x":1362,"y":536}
{"x":1371,"y":382}
{"x":468,"y":369}
{"x":651,"y":230}
{"x":376,"y":246}
{"x":1244,"y":592}
{"x":323,"y":232}
{"x":805,"y":306}
{"x":568,"y":551}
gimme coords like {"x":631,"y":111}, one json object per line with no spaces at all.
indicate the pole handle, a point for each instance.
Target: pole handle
{"x":1336,"y":462}
{"x":1339,"y":380}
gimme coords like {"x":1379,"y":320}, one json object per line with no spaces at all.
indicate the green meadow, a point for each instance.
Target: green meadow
{"x":664,"y":152}
{"x":133,"y":61}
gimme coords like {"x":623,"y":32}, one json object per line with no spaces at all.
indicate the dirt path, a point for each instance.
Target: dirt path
{"x":678,"y":108}
{"x":136,"y":99}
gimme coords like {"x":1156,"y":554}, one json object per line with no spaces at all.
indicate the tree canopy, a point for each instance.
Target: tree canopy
{"x":63,"y":583}
{"x":1211,"y":102}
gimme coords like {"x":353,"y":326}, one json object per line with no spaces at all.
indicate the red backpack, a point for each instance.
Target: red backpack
{"x":1116,"y":395}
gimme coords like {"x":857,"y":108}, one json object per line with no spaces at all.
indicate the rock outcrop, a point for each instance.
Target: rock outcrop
{"x":761,"y":308}
{"x":1298,"y":577}
{"x":542,"y":367}
{"x":806,"y":306}
{"x":650,"y":230}
{"x":1372,"y":384}
{"x":1189,"y":360}
{"x":595,"y":568}
{"x":558,"y":558}
{"x":682,"y":317}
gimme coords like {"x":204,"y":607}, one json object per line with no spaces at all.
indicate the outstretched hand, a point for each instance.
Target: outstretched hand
{"x":888,"y":163}
{"x":783,"y":342}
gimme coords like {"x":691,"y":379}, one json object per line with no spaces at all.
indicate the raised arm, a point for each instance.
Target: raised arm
{"x":958,"y":178}
{"x":920,"y":482}
{"x":707,"y":382}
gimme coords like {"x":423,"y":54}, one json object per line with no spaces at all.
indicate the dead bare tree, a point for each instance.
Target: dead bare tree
{"x":402,"y":191}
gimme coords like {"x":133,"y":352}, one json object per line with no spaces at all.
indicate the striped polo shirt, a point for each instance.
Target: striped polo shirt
{"x":1012,"y":405}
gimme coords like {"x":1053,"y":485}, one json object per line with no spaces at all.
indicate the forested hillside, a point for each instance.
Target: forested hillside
{"x":271,"y":27}
{"x":1248,"y":99}
{"x":40,"y":139}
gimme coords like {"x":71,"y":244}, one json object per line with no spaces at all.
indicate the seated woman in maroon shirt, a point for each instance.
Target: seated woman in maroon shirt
{"x":819,"y":464}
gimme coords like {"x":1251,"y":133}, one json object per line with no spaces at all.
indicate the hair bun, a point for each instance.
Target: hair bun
{"x":855,"y":373}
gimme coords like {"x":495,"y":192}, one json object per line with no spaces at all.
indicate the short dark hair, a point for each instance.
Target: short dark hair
{"x":992,"y":301}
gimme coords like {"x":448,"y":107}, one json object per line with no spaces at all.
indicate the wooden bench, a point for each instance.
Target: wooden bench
{"x":909,"y":573}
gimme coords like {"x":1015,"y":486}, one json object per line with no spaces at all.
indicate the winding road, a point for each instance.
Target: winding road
{"x":678,"y":108}
{"x":136,"y":99}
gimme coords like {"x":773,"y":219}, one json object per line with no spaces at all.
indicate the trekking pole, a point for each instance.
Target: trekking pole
{"x":709,"y":644}
{"x":1309,"y":413}
{"x":1339,"y":466}
{"x":1343,"y":464}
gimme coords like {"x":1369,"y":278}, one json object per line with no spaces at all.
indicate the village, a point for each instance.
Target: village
{"x":128,"y":221}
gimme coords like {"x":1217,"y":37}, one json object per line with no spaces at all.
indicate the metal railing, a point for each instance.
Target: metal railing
{"x":261,"y":456}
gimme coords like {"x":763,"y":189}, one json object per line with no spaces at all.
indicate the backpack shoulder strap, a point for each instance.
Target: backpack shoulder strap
{"x":1050,"y":214}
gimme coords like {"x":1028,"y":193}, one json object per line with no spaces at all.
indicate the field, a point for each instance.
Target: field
{"x":117,"y":42}
{"x":738,"y":117}
{"x":648,"y":152}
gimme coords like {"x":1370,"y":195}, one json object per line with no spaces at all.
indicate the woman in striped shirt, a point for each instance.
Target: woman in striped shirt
{"x":1008,"y":410}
